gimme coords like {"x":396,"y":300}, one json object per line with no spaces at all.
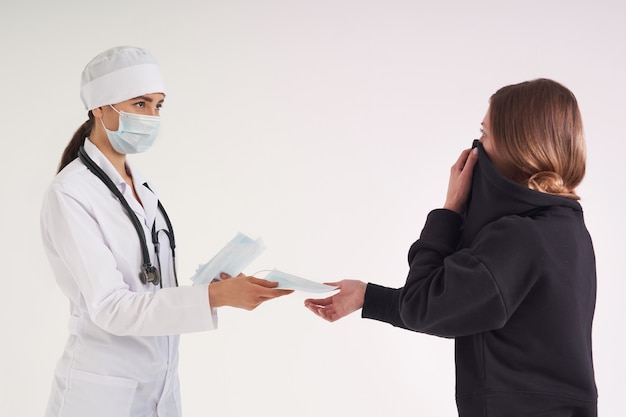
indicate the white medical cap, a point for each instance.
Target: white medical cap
{"x":119,"y":74}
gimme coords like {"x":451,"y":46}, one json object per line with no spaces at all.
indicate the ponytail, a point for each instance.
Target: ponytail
{"x":551,"y":183}
{"x":71,"y":150}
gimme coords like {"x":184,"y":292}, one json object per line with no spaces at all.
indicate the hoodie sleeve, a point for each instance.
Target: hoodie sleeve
{"x":451,"y":293}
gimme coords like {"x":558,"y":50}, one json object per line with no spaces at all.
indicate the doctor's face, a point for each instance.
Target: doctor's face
{"x":147,"y":105}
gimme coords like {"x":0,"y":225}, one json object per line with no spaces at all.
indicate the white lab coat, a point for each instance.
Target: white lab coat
{"x":121,"y":357}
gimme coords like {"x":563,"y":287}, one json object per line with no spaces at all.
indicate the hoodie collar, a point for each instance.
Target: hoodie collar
{"x":494,"y":196}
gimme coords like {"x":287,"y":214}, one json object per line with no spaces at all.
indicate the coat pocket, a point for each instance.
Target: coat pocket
{"x":94,"y":395}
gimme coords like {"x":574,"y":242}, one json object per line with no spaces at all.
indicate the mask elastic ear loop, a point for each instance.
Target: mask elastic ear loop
{"x":102,"y":121}
{"x":105,"y":128}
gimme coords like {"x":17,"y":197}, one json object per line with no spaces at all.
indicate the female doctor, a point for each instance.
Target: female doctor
{"x":111,"y":246}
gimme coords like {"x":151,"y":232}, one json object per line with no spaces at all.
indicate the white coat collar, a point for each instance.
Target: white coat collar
{"x":149,"y":197}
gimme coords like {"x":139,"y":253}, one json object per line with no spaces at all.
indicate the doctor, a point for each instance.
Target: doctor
{"x":111,"y":247}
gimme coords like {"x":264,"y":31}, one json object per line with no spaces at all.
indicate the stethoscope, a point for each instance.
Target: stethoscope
{"x":148,"y":273}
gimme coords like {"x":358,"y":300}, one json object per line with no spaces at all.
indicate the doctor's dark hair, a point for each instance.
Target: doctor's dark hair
{"x":537,"y":127}
{"x":71,"y":150}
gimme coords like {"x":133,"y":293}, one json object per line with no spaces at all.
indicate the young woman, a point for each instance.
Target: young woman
{"x":507,"y":266}
{"x":111,"y":246}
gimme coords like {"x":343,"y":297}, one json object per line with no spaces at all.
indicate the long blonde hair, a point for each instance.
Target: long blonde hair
{"x":537,"y":128}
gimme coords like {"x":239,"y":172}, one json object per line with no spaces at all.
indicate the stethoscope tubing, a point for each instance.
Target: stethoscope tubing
{"x":148,"y":272}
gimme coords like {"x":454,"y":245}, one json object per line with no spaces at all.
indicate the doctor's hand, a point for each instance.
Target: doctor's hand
{"x":243,"y":292}
{"x":348,"y":300}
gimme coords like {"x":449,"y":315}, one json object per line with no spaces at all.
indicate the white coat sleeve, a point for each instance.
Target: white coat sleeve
{"x":87,"y":272}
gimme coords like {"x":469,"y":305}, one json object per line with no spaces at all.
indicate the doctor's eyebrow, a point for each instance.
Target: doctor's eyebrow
{"x":148,"y":99}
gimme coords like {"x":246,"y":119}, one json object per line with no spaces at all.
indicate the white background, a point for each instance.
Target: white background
{"x":328,"y":128}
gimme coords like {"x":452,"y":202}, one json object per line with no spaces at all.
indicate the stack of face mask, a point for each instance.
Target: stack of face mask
{"x":231,"y":259}
{"x":292,"y":282}
{"x":238,"y":254}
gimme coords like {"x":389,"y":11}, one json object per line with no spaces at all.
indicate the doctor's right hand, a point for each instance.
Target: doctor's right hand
{"x":243,"y":292}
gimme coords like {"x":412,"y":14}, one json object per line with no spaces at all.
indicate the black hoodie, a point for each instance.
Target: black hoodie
{"x":514,"y":282}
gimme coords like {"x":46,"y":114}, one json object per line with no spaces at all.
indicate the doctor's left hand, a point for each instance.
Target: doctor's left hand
{"x":243,"y":291}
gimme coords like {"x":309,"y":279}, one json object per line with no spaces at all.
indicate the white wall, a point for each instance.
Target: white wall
{"x":328,"y":128}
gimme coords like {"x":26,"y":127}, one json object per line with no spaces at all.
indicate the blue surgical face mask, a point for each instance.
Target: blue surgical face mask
{"x":135,"y":133}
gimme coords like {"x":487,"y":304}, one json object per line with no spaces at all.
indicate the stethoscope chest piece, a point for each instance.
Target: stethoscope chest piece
{"x":150,"y":273}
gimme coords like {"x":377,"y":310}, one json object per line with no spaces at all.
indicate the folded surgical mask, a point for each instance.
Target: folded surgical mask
{"x":135,"y":133}
{"x":292,"y":282}
{"x":240,"y":252}
{"x":232,"y":259}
